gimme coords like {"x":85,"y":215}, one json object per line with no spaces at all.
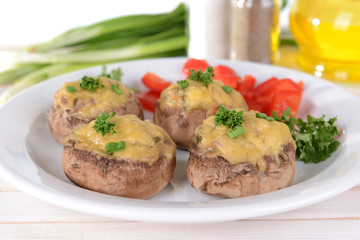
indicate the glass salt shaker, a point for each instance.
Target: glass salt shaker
{"x":254,"y":30}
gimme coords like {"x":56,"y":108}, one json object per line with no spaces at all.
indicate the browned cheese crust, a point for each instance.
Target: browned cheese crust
{"x":62,"y":122}
{"x":119,"y":177}
{"x":216,"y":176}
{"x":179,"y":124}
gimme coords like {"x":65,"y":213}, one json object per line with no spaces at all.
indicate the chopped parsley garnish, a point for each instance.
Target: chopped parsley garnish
{"x":183,"y":84}
{"x":314,"y":138}
{"x":103,"y":125}
{"x":200,"y":76}
{"x":116,"y":89}
{"x":198,"y":139}
{"x":90,"y":83}
{"x":231,"y":119}
{"x":264,"y":116}
{"x":157,"y":139}
{"x":71,"y":89}
{"x":227,"y":89}
{"x":112,"y":147}
{"x":115,"y":74}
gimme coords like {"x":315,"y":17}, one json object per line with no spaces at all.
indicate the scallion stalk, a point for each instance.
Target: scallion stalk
{"x":39,"y":76}
{"x":118,"y":39}
{"x":107,"y":55}
{"x":82,"y":34}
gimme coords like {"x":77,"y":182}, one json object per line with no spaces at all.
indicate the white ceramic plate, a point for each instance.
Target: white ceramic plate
{"x":30,"y":159}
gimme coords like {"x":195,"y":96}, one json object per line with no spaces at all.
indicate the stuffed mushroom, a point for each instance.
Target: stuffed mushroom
{"x":77,"y":103}
{"x":120,"y":155}
{"x":232,"y":160}
{"x":183,"y":106}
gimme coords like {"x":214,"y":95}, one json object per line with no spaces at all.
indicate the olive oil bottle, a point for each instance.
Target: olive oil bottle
{"x":328,"y":36}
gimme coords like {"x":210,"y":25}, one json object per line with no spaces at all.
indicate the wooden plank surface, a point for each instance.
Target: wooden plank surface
{"x":17,"y":207}
{"x":297,"y":229}
{"x":25,"y":217}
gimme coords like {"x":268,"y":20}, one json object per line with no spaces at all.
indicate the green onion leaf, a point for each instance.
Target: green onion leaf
{"x":236,"y":132}
{"x":71,"y":89}
{"x":227,"y":89}
{"x":157,"y":139}
{"x":113,"y":40}
{"x":183,"y":84}
{"x":264,"y":116}
{"x":116,"y":89}
{"x":112,"y":147}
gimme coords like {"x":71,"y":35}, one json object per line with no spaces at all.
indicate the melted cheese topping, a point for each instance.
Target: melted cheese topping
{"x":199,"y":96}
{"x":139,"y":137}
{"x":262,"y":138}
{"x":87,"y":104}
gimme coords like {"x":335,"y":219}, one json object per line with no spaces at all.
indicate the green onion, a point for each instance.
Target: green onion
{"x":157,"y":139}
{"x":118,"y":39}
{"x":236,"y":132}
{"x":116,"y":89}
{"x":227,"y":89}
{"x":39,"y":76}
{"x":112,"y":147}
{"x":71,"y":89}
{"x":126,"y":23}
{"x":17,"y":72}
{"x":107,"y":55}
{"x":264,"y":116}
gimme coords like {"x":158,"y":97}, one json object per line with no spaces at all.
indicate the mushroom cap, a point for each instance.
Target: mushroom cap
{"x":261,"y":159}
{"x":180,"y":111}
{"x":217,"y":176}
{"x":73,"y":109}
{"x":119,"y":177}
{"x":139,"y":170}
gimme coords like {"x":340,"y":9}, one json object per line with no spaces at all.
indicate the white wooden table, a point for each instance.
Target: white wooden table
{"x":24,"y":217}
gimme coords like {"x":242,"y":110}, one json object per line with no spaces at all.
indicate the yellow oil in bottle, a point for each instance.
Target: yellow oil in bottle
{"x":328,"y":36}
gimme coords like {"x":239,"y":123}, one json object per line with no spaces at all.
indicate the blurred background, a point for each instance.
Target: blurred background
{"x":235,"y":29}
{"x":23,"y":23}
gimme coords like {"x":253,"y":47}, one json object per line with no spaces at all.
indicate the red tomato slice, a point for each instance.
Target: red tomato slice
{"x":266,"y":88}
{"x":247,"y":84}
{"x":227,"y":75}
{"x":148,"y":100}
{"x":287,"y":85}
{"x":247,"y":95}
{"x":257,"y":105}
{"x":284,"y":99}
{"x":154,"y":82}
{"x":195,"y":64}
{"x":301,"y":85}
{"x":222,"y":70}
